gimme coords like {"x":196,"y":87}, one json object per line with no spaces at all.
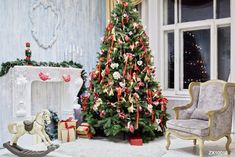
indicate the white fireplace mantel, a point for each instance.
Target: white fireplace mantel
{"x":17,"y":92}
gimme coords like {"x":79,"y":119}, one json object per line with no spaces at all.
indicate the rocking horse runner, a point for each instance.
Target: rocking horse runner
{"x":37,"y":126}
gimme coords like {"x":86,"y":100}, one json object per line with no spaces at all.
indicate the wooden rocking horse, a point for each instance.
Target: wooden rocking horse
{"x":37,"y":126}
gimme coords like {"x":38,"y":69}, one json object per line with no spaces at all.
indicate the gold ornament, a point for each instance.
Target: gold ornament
{"x":111,"y":92}
{"x":131,"y":109}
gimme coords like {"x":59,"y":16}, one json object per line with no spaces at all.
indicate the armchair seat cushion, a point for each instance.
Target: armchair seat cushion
{"x":191,"y":126}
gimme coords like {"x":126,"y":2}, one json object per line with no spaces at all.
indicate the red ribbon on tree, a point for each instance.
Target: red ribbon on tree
{"x":137,"y":110}
{"x":84,"y":102}
{"x":122,"y":21}
{"x":148,"y":71}
{"x":119,"y":93}
{"x":113,"y":39}
{"x":153,"y":116}
{"x":136,"y":68}
{"x":163,"y":102}
{"x":99,"y":75}
{"x":109,"y":61}
{"x":127,"y":19}
{"x":143,"y":47}
{"x":149,"y":98}
{"x":109,"y":27}
{"x":128,"y":56}
{"x":161,"y":120}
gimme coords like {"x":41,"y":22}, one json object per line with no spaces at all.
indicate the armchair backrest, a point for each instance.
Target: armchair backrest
{"x":212,"y":95}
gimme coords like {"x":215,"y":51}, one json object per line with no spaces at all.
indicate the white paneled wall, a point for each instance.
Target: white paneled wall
{"x":65,"y":25}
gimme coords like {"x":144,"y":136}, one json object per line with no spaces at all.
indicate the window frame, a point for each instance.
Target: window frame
{"x":178,"y":29}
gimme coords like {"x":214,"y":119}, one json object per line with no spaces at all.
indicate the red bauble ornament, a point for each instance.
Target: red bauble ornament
{"x":127,"y":38}
{"x":131,"y":128}
{"x":125,"y":4}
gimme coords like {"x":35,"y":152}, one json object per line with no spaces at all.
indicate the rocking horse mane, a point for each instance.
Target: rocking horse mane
{"x":42,"y":113}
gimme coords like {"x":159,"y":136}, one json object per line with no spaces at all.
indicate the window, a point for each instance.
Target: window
{"x":196,"y":41}
{"x":139,"y":9}
{"x":196,"y":56}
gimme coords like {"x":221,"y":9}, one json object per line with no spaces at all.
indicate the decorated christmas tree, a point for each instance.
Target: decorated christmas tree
{"x":123,"y":94}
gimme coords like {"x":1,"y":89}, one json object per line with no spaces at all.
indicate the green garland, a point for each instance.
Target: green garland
{"x":5,"y":67}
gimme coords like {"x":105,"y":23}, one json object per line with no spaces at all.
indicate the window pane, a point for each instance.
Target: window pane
{"x":193,"y":10}
{"x":170,"y":12}
{"x":224,"y":53}
{"x":223,"y":8}
{"x":139,"y":9}
{"x":171,"y":57}
{"x":196,"y":56}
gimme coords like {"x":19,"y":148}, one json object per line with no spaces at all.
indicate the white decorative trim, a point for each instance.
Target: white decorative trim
{"x":47,"y":6}
{"x":21,"y":109}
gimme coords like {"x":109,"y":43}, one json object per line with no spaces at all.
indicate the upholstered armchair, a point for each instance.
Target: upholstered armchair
{"x":207,"y":117}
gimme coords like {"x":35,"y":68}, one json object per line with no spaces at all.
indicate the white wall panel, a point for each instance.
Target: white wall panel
{"x":65,"y":25}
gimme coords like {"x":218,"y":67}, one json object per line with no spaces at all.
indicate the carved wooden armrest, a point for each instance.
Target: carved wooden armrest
{"x":212,"y":113}
{"x":218,"y":119}
{"x":177,"y":110}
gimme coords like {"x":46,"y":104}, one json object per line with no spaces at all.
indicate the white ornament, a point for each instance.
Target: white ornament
{"x":116,"y":75}
{"x":124,"y":15}
{"x":114,"y":65}
{"x":130,"y":33}
{"x":114,"y":15}
{"x":139,"y":62}
{"x":158,"y":121}
{"x":98,"y":102}
{"x":122,"y":84}
{"x":135,"y":10}
{"x":95,"y":108}
{"x":150,"y":107}
{"x":135,"y":25}
{"x":103,"y":73}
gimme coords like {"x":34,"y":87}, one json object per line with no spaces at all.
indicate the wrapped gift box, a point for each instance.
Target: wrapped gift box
{"x":70,"y":123}
{"x":135,"y":141}
{"x":83,"y":129}
{"x":68,"y":135}
{"x":89,"y":135}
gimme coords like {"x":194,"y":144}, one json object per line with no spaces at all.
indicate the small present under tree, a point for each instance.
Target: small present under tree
{"x":124,"y":96}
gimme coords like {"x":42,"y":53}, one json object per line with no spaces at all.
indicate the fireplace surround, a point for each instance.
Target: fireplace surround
{"x":26,"y":90}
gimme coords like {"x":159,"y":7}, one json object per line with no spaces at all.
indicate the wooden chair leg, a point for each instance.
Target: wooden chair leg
{"x":201,"y":147}
{"x":168,"y":141}
{"x":229,"y":141}
{"x":194,"y":142}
